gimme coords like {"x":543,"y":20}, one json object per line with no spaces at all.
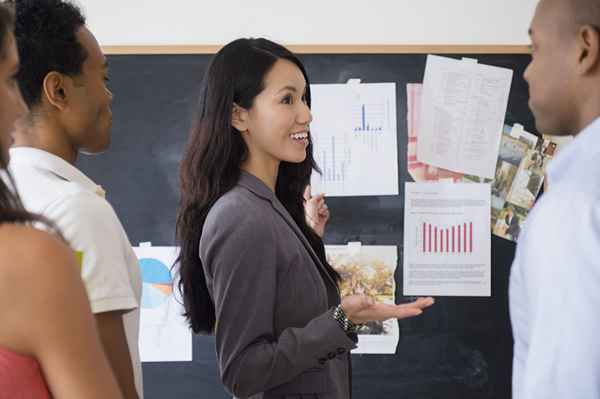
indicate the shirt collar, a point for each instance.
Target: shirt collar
{"x":585,"y":145}
{"x":46,"y":161}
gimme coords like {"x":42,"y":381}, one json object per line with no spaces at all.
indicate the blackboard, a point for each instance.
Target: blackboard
{"x":461,"y":348}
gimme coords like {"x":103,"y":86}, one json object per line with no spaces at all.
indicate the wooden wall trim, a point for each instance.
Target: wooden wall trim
{"x":333,"y":49}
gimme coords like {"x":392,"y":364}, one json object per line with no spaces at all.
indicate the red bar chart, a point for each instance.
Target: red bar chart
{"x":455,"y":239}
{"x":447,"y":243}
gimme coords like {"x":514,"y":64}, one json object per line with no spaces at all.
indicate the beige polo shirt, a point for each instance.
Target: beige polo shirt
{"x":50,"y":186}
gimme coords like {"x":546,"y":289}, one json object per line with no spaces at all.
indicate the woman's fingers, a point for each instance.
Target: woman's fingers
{"x":307,"y":194}
{"x":383,"y":311}
{"x":420,"y":303}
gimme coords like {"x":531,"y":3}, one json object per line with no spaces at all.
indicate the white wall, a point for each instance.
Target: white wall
{"x":164,"y":22}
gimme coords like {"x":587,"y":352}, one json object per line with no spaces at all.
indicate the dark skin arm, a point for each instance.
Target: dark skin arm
{"x":114,"y":341}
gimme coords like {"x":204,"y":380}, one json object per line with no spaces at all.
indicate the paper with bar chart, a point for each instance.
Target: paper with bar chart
{"x":447,"y":242}
{"x":369,"y":270}
{"x":354,"y":136}
{"x":164,"y":334}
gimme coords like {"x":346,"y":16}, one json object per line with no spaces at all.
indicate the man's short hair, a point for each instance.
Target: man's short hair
{"x":45,"y":33}
{"x":584,"y":12}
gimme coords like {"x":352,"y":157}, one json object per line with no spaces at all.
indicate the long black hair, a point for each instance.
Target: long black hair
{"x":213,"y":157}
{"x":11,"y":208}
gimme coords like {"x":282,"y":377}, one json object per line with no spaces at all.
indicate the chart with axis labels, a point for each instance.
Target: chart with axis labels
{"x":447,"y":242}
{"x":354,"y":136}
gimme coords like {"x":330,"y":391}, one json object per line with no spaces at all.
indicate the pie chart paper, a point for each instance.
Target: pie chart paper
{"x":157,"y":283}
{"x":164,"y":334}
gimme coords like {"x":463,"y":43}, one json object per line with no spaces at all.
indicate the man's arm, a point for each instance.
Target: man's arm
{"x":91,"y":227}
{"x":114,"y":341}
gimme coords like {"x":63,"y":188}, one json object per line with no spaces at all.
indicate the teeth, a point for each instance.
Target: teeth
{"x":299,"y":136}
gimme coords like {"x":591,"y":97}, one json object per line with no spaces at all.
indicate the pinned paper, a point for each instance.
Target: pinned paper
{"x":145,"y":244}
{"x":447,"y":245}
{"x":371,"y":273}
{"x":462,"y":114}
{"x":164,"y":333}
{"x":354,"y":135}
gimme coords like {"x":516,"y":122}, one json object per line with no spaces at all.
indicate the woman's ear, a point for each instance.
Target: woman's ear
{"x":239,"y":118}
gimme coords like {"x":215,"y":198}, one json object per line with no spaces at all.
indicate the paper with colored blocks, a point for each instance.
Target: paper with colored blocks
{"x":447,"y":241}
{"x":164,"y":333}
{"x":369,"y":270}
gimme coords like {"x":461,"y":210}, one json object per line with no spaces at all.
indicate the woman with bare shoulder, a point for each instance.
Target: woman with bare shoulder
{"x":49,"y":346}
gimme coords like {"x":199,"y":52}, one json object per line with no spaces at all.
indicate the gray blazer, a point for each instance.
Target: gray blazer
{"x":275,"y":335}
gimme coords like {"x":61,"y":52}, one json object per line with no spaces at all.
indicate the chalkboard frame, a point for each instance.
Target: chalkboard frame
{"x":462,"y":370}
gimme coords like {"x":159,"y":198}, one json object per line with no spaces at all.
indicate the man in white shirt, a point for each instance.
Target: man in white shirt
{"x":555,"y":277}
{"x":63,"y":80}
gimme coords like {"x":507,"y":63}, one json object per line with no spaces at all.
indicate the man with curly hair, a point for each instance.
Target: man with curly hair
{"x":63,"y":79}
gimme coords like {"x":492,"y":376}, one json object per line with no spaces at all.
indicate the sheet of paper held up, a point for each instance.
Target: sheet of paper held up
{"x":447,"y":242}
{"x":369,"y":270}
{"x":462,"y":115}
{"x":354,"y":136}
{"x":164,"y":334}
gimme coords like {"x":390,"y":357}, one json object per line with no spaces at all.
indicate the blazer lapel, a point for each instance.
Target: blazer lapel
{"x":288,"y":218}
{"x":255,"y":185}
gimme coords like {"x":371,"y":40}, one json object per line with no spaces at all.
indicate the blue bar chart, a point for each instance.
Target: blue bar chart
{"x":373,"y":122}
{"x":355,"y":139}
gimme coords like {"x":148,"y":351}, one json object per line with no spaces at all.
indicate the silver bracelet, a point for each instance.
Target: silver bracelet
{"x":340,"y":316}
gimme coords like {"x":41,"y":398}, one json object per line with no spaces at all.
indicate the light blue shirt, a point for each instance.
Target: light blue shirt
{"x":555,"y":281}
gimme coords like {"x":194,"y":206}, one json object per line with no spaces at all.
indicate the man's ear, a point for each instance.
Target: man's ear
{"x":239,"y":118}
{"x":588,"y":51}
{"x":56,"y":89}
